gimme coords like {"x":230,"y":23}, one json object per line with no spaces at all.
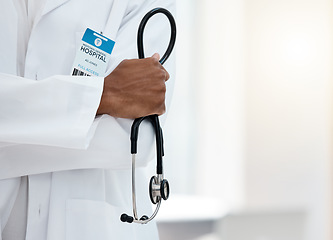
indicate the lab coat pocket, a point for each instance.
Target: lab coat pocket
{"x":87,"y":219}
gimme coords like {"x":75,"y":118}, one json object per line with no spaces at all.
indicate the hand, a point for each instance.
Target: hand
{"x":135,"y":88}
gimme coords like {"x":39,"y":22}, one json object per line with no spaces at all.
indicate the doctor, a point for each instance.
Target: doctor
{"x":64,"y":140}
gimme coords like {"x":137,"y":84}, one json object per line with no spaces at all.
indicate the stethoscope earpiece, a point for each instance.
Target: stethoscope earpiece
{"x":144,"y":217}
{"x":125,"y":218}
{"x":158,"y":187}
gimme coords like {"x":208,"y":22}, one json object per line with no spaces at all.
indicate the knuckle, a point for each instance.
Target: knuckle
{"x":167,"y":75}
{"x":162,"y":99}
{"x":162,"y":74}
{"x":163,"y":88}
{"x":152,"y":60}
{"x":159,"y":99}
{"x":160,"y":108}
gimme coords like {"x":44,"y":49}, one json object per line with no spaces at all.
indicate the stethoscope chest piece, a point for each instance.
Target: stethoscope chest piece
{"x":158,"y":189}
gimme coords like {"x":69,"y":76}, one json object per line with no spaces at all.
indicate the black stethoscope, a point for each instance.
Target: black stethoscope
{"x":158,"y":187}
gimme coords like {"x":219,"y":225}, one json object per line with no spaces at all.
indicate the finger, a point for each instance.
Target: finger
{"x":167,"y":76}
{"x":156,"y":56}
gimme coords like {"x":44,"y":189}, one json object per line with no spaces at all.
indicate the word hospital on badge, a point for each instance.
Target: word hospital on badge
{"x":93,"y":55}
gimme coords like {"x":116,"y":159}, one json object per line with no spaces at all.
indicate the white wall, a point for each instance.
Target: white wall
{"x":180,"y":132}
{"x":288,"y":108}
{"x":220,"y":103}
{"x":251,"y":122}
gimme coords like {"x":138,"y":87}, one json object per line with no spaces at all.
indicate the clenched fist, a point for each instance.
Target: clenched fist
{"x":135,"y":88}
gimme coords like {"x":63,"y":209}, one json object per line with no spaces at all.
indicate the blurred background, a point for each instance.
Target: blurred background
{"x":249,"y":132}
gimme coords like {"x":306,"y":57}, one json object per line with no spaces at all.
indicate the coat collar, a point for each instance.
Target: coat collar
{"x":50,"y":5}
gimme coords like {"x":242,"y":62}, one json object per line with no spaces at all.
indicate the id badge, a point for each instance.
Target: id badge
{"x":93,"y":55}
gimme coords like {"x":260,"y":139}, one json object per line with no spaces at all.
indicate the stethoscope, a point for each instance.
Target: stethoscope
{"x":158,"y":186}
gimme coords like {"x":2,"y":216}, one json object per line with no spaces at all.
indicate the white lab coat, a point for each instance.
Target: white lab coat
{"x":78,"y":165}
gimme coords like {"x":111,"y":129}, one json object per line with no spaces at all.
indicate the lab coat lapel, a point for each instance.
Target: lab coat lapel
{"x":52,"y":4}
{"x":8,"y":25}
{"x":114,"y":21}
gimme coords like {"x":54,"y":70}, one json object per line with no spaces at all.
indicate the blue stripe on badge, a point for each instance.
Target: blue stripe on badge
{"x":99,"y":41}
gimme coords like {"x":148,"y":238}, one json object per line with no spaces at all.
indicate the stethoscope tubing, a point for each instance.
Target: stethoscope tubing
{"x":154,"y":118}
{"x":172,"y":36}
{"x":159,"y":139}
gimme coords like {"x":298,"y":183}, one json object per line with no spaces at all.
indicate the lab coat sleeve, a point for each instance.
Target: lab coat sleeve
{"x":110,"y":145}
{"x":56,"y":111}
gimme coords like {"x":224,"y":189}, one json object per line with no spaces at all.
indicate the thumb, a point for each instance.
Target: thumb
{"x":156,"y":56}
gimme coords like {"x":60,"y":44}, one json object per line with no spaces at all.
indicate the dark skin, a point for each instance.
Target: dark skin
{"x":135,"y":88}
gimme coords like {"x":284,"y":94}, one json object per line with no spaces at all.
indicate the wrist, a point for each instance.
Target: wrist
{"x":103,"y":107}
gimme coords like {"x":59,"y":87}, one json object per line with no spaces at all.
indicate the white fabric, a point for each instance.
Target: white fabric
{"x":27,"y":12}
{"x":9,"y":189}
{"x":48,"y":128}
{"x":34,"y":10}
{"x":23,"y":32}
{"x":38,"y":205}
{"x":15,"y":228}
